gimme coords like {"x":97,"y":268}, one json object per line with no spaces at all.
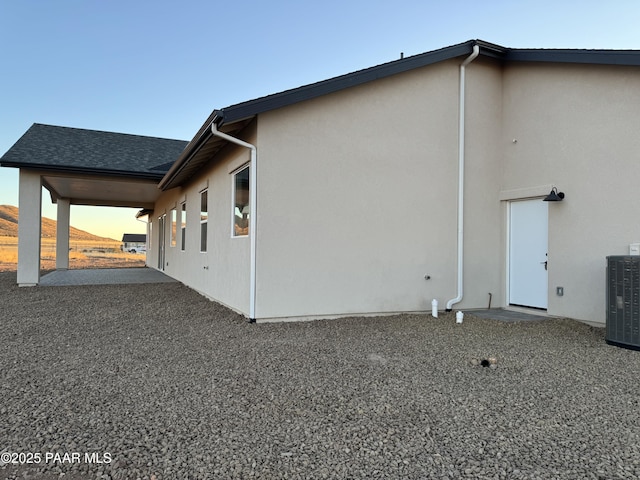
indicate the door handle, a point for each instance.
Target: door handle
{"x":545,"y":264}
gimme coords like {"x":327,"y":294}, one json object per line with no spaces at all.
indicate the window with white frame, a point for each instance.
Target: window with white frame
{"x":241,"y":197}
{"x":204,"y":218}
{"x":183,"y":225}
{"x":174,"y":227}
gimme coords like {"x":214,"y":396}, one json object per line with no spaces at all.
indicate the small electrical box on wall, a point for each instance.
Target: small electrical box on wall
{"x":634,"y":249}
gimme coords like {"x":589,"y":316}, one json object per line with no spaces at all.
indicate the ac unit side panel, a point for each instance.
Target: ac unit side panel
{"x":623,"y":301}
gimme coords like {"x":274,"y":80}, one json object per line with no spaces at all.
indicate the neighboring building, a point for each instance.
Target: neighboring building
{"x":134,"y":242}
{"x":378,"y":191}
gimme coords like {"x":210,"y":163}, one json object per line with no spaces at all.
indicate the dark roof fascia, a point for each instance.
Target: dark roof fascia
{"x":52,"y":169}
{"x":254,"y":107}
{"x":595,"y":57}
{"x":249,"y":109}
{"x":560,"y":55}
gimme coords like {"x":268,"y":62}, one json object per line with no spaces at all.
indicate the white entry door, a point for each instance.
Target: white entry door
{"x":528,"y":243}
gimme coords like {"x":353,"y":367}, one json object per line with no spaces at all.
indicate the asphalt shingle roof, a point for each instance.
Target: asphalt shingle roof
{"x":91,"y":151}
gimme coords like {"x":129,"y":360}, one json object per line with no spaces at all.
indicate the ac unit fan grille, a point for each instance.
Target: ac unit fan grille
{"x":623,"y":301}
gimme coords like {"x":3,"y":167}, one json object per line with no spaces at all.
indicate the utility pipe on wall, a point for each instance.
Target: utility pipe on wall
{"x":461,"y":117}
{"x":252,"y":215}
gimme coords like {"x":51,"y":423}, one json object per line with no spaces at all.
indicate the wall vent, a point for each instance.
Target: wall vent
{"x":623,"y":301}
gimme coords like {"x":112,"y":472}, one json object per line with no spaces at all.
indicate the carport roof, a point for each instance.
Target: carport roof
{"x":75,"y":150}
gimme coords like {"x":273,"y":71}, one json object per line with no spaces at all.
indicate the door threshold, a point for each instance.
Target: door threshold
{"x":531,"y":311}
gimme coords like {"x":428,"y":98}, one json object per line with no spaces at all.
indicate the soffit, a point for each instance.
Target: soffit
{"x":102,"y":191}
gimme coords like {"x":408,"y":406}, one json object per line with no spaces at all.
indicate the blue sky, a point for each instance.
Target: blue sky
{"x":159,"y":68}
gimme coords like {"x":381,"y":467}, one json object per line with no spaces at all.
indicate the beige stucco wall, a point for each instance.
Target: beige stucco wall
{"x":357,"y":197}
{"x":222,"y":273}
{"x":357,"y":192}
{"x":576,"y":128}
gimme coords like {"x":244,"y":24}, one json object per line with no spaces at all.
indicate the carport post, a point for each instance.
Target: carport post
{"x":62,"y":234}
{"x":29,"y":228}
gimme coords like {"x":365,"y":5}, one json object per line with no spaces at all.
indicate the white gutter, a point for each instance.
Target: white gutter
{"x":461,"y":117}
{"x":252,"y":215}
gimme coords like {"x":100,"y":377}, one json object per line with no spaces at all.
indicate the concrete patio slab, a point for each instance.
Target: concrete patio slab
{"x":104,"y":276}
{"x":506,"y":315}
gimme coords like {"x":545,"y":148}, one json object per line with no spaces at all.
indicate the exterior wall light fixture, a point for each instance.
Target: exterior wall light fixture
{"x":554,"y":196}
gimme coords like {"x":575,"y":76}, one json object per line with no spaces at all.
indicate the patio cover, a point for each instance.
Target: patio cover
{"x":81,"y":167}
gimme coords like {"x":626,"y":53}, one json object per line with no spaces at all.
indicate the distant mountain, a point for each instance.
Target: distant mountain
{"x":9,"y":226}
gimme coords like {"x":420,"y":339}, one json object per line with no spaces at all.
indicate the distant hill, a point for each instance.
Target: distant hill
{"x":9,"y":226}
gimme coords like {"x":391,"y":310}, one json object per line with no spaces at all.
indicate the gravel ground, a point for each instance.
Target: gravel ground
{"x":156,"y":382}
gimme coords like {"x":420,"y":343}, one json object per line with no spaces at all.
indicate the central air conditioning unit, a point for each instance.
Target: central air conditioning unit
{"x":623,"y":301}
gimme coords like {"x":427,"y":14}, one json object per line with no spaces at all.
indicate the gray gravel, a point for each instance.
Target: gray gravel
{"x":168,"y":385}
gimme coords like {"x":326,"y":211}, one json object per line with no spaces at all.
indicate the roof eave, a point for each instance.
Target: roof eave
{"x":201,"y":137}
{"x":251,"y":108}
{"x":245,"y":111}
{"x":83,"y":171}
{"x":176,"y":175}
{"x":596,"y":57}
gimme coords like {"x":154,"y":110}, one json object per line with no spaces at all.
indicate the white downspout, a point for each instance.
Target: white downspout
{"x":461,"y":117}
{"x":252,"y":215}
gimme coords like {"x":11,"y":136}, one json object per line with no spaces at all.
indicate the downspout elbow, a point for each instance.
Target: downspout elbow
{"x":475,"y":51}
